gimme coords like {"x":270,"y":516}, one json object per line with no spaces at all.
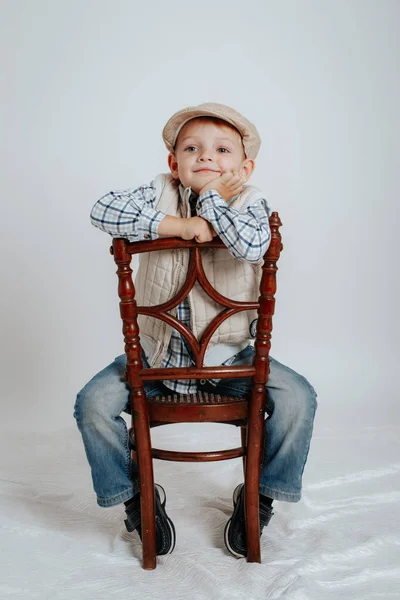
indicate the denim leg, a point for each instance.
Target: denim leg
{"x":97,"y":412}
{"x":291,"y":405}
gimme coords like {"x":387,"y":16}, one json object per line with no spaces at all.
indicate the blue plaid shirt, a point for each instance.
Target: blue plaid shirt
{"x":131,"y":214}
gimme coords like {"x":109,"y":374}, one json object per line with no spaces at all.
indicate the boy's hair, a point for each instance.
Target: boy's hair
{"x":250,"y":137}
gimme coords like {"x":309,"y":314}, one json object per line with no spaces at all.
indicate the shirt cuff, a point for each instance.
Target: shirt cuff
{"x":148,"y":223}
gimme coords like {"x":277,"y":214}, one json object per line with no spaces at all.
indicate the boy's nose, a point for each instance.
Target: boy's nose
{"x":206,"y":156}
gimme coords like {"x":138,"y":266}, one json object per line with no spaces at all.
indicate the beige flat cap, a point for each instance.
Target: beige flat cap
{"x":250,"y":136}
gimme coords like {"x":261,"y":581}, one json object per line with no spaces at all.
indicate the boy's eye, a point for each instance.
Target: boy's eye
{"x":191,"y":148}
{"x":223,"y":150}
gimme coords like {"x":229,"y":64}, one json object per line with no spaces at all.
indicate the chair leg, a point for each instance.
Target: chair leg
{"x":252,"y":481}
{"x":140,"y":421}
{"x":243,"y":436}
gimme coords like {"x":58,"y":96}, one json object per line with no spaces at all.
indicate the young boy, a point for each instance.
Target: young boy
{"x":211,"y":157}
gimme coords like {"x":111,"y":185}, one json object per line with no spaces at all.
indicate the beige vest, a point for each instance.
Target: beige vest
{"x":162,"y":274}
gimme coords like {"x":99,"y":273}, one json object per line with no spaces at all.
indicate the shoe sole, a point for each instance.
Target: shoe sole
{"x":163,"y":499}
{"x":235,"y":497}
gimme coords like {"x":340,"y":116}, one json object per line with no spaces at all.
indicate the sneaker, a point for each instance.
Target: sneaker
{"x":235,"y":529}
{"x":165,"y":530}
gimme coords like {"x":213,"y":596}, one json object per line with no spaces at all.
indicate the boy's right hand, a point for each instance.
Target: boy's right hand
{"x":197,"y":228}
{"x":229,"y":184}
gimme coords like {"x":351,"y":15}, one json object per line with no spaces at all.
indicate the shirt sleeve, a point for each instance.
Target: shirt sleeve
{"x":246,"y":233}
{"x":129,"y":214}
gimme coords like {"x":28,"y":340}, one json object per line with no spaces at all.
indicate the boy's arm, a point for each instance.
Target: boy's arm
{"x":129,"y":214}
{"x":246,"y":234}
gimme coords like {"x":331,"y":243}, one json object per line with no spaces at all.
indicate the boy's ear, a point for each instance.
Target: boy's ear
{"x":247,"y":168}
{"x":173,"y":165}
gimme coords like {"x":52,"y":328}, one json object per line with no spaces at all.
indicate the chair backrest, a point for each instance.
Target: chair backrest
{"x":122,"y":250}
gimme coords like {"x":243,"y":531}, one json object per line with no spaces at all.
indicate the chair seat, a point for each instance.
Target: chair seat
{"x":199,"y":407}
{"x":198,"y":398}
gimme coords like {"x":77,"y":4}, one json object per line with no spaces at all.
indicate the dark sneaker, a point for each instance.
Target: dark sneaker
{"x":165,"y":530}
{"x":235,"y":529}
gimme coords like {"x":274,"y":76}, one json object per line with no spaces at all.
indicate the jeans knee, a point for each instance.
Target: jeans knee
{"x":94,"y":406}
{"x":86,"y":408}
{"x":104,"y":397}
{"x":307,"y":398}
{"x":293,"y":399}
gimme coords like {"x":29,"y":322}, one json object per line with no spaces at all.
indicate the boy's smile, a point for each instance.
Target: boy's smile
{"x":204,"y":150}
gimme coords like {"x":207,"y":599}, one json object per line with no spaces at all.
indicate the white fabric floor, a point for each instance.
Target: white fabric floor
{"x":341,"y":541}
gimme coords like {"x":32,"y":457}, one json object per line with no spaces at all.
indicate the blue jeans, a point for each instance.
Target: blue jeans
{"x":291,"y":404}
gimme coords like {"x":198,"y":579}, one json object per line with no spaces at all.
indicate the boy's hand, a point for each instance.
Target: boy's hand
{"x":197,"y":228}
{"x":229,"y":184}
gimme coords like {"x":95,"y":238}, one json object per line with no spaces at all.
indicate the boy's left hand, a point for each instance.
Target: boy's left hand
{"x":229,"y":184}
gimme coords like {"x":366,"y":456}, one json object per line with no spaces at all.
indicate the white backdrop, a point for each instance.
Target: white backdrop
{"x":86,"y":88}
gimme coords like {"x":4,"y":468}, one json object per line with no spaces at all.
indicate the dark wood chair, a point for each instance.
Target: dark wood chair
{"x":247,"y":412}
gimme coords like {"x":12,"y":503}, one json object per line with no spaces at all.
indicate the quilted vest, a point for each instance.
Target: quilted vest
{"x":162,"y":274}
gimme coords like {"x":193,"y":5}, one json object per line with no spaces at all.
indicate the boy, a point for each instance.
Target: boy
{"x":211,"y":157}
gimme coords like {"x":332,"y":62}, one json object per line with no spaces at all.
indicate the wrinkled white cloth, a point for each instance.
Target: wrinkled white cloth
{"x":341,"y":541}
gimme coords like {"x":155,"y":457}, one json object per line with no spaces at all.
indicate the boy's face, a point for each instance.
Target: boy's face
{"x":204,"y":150}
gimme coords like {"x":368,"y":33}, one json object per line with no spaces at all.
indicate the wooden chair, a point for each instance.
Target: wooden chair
{"x":246,"y":412}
